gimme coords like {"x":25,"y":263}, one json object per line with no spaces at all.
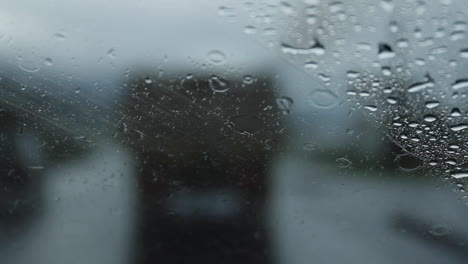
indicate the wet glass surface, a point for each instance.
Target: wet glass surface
{"x":266,"y":131}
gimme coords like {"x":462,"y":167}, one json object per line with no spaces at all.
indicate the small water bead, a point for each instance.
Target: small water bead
{"x":308,"y":146}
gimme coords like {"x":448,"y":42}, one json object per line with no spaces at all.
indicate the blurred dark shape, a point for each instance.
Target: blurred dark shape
{"x":37,"y":130}
{"x":19,"y":191}
{"x":440,"y":237}
{"x":204,"y":146}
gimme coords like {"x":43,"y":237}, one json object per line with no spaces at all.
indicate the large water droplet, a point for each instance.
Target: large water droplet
{"x":417,"y":87}
{"x":48,"y":62}
{"x":430,"y":118}
{"x":216,"y":57}
{"x":459,"y":127}
{"x":308,"y":146}
{"x":343,"y":162}
{"x":371,"y":108}
{"x":218,"y":84}
{"x":460,"y":84}
{"x":316,"y":49}
{"x":385,"y":51}
{"x":248,"y":79}
{"x":408,"y":163}
{"x":284,"y":103}
{"x":322,"y":99}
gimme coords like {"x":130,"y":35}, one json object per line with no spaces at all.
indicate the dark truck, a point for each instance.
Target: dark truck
{"x":203,"y":145}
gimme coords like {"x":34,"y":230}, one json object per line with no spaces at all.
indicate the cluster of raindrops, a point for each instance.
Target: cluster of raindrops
{"x":401,"y":65}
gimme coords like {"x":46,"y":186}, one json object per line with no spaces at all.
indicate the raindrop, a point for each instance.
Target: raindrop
{"x":316,"y":49}
{"x":460,"y":175}
{"x":343,"y":162}
{"x":385,"y":51}
{"x":457,"y":35}
{"x":408,"y":163}
{"x":432,"y":104}
{"x":111,"y":53}
{"x":311,"y":65}
{"x":386,"y":71}
{"x":392,"y":100}
{"x":455,"y":112}
{"x":393,"y":27}
{"x":460,"y":84}
{"x":417,"y":87}
{"x":48,"y":62}
{"x":218,"y":84}
{"x":284,"y":103}
{"x":248,"y":79}
{"x":371,"y":108}
{"x":352,"y":74}
{"x":459,"y":127}
{"x":28,"y":65}
{"x":430,"y":118}
{"x":387,"y":5}
{"x":59,"y":36}
{"x":286,"y":8}
{"x":216,"y":57}
{"x":77,"y":90}
{"x":322,"y":99}
{"x":440,"y":230}
{"x":308,"y":146}
{"x":464,"y":53}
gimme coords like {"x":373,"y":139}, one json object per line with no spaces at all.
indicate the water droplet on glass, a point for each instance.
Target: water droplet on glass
{"x":459,"y":127}
{"x":77,"y":90}
{"x":48,"y":62}
{"x":408,"y":163}
{"x":392,"y":100}
{"x":284,"y":103}
{"x":457,"y":35}
{"x":250,"y":30}
{"x":371,"y":108}
{"x":386,"y":71}
{"x":455,"y":112}
{"x":343,"y":162}
{"x":385,"y":51}
{"x":430,"y":118}
{"x":316,"y":49}
{"x":286,"y":8}
{"x":464,"y":53}
{"x":148,"y":80}
{"x":460,"y":84}
{"x":308,"y":146}
{"x":59,"y":36}
{"x":216,"y":57}
{"x":322,"y":99}
{"x":28,"y":65}
{"x":111,"y":53}
{"x":459,"y":175}
{"x":311,"y":65}
{"x":218,"y":84}
{"x":419,"y":86}
{"x":248,"y":79}
{"x":440,"y":230}
{"x":432,"y":104}
{"x":387,"y":5}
